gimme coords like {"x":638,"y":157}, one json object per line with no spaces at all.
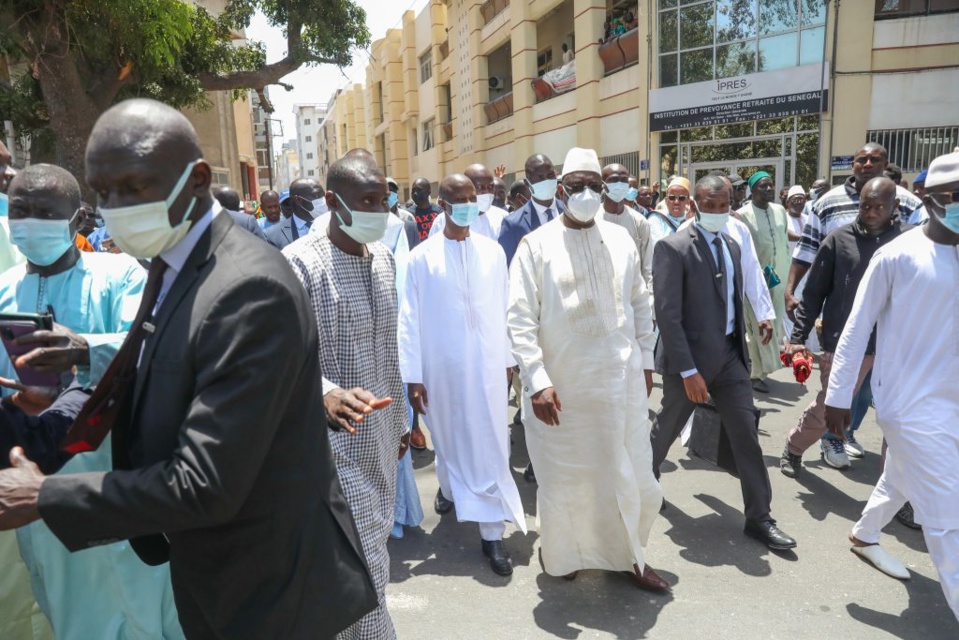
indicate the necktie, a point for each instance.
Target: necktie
{"x":721,"y":269}
{"x":109,"y":401}
{"x":308,"y":224}
{"x":549,"y":214}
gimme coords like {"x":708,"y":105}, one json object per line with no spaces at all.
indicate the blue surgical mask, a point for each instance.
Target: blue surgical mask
{"x":42,"y":242}
{"x":951,"y":219}
{"x":617,"y":191}
{"x":632,"y":194}
{"x":544,"y":189}
{"x":393,"y":199}
{"x":463,"y":214}
{"x":4,"y":205}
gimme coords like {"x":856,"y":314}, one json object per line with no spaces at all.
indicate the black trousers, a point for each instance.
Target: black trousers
{"x":732,"y":394}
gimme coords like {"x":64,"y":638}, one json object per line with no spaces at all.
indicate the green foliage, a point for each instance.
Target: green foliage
{"x":166,"y":49}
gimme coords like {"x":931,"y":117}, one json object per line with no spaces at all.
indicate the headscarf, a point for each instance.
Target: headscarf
{"x":756,"y":177}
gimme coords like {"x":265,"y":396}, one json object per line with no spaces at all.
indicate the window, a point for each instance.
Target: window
{"x":900,"y":8}
{"x":309,"y":138}
{"x":428,"y":134}
{"x":306,"y":121}
{"x":416,"y":144}
{"x":709,"y":39}
{"x":309,"y":156}
{"x":914,"y":149}
{"x":544,"y":61}
{"x":310,"y":172}
{"x":426,"y":66}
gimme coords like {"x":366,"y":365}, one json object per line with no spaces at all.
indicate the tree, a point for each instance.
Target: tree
{"x":82,"y":56}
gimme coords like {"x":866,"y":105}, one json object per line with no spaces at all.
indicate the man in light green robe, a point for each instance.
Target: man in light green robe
{"x":767,"y":224}
{"x":105,"y":592}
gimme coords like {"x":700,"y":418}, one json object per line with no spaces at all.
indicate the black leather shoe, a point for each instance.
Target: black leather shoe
{"x":441,"y":504}
{"x":529,"y":475}
{"x":499,"y":559}
{"x":769,"y":534}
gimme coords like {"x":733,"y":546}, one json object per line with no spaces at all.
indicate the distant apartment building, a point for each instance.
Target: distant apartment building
{"x":308,"y":120}
{"x":287,"y":165}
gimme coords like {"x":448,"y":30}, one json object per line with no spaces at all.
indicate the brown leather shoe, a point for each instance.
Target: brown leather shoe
{"x":649,"y":580}
{"x":417,"y":439}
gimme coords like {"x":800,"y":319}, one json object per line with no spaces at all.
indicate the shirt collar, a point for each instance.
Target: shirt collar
{"x":541,"y":209}
{"x":301,"y":224}
{"x":176,"y":256}
{"x":709,"y":235}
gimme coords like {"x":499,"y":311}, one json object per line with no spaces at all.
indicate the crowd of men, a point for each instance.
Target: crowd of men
{"x":226,"y":479}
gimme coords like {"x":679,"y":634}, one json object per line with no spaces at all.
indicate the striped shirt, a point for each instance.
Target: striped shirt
{"x":837,"y":208}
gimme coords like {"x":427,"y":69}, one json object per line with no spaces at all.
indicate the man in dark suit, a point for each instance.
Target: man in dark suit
{"x":308,"y":202}
{"x":702,"y":348}
{"x":226,"y":478}
{"x":540,"y":209}
{"x":229,"y":199}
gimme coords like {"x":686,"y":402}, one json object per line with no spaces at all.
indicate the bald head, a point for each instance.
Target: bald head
{"x":421,"y":191}
{"x":362,"y":154}
{"x":454,"y":184}
{"x":877,"y":205}
{"x":143,"y":151}
{"x":482,"y":179}
{"x":270,"y":205}
{"x":228,"y":197}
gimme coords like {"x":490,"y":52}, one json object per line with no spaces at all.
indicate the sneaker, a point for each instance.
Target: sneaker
{"x":834,"y":453}
{"x":853,"y":448}
{"x":790,"y":464}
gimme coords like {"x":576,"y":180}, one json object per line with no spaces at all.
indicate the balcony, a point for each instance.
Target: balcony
{"x":501,"y":107}
{"x":555,"y":82}
{"x":445,"y":49}
{"x":492,"y":8}
{"x":621,"y":51}
{"x":447,"y":131}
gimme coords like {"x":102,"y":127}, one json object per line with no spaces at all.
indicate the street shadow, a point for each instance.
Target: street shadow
{"x":822,"y":498}
{"x":453,"y":549}
{"x":717,"y":539}
{"x":423,"y":458}
{"x":518,"y":460}
{"x":928,"y":616}
{"x":597,"y":601}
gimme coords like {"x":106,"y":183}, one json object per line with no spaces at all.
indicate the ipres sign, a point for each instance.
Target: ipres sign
{"x":794,"y":91}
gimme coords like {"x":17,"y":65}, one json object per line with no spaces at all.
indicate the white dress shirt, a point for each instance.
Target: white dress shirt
{"x":541,"y":211}
{"x":176,"y":256}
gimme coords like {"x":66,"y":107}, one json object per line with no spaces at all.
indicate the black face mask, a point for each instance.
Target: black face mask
{"x":418,"y":196}
{"x":499,"y":203}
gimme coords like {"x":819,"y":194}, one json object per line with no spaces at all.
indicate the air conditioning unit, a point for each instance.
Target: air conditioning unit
{"x":497,"y":82}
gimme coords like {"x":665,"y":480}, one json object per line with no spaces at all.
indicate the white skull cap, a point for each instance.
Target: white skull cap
{"x":942,"y":171}
{"x":795,"y":190}
{"x":579,"y":159}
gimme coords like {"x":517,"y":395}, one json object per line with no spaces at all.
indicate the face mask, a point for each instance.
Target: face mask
{"x":617,"y":191}
{"x":4,"y":205}
{"x":319,"y":207}
{"x":42,"y":242}
{"x":367,"y":227}
{"x":500,"y":204}
{"x":98,"y":222}
{"x":418,"y":196}
{"x":463,"y":214}
{"x":632,"y":193}
{"x":713,"y":222}
{"x":143,"y":230}
{"x":484,"y":201}
{"x":584,"y":205}
{"x":392,"y":200}
{"x":544,"y":190}
{"x":951,"y":219}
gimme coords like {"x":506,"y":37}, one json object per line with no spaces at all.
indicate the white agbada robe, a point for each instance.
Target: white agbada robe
{"x":580,"y":321}
{"x":914,"y":382}
{"x":488,"y":224}
{"x":453,"y":340}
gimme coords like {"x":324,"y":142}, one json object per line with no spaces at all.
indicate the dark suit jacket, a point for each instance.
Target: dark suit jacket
{"x":282,"y":234}
{"x":227,"y":456}
{"x":246,"y":221}
{"x":518,"y":224}
{"x":690,"y":307}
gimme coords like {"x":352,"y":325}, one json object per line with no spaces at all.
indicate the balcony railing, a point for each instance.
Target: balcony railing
{"x":499,"y":108}
{"x":492,"y":8}
{"x":620,"y":51}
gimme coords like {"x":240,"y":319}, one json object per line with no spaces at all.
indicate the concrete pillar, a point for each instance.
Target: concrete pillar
{"x":523,"y":49}
{"x":589,"y":16}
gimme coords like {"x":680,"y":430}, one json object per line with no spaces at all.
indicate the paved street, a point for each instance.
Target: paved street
{"x":725,"y":585}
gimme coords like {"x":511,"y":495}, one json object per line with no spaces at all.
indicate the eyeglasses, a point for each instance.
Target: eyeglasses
{"x":570,"y":190}
{"x":674,"y":198}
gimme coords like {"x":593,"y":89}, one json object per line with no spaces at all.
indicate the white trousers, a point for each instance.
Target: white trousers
{"x":492,"y":531}
{"x":943,"y":544}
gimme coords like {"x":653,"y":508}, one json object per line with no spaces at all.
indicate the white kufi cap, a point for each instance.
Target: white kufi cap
{"x":795,"y":190}
{"x":943,"y":170}
{"x":579,"y":159}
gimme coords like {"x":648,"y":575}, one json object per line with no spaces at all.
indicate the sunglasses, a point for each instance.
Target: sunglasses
{"x":675,"y":198}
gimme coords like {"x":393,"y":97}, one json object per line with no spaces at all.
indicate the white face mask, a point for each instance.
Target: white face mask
{"x":484,"y":202}
{"x":367,"y":226}
{"x":584,"y":205}
{"x":618,"y":191}
{"x":143,"y":230}
{"x":713,"y":222}
{"x":544,"y":189}
{"x":319,"y":207}
{"x":42,"y":242}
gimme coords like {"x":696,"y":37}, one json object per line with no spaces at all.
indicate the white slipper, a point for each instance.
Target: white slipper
{"x":882,"y":560}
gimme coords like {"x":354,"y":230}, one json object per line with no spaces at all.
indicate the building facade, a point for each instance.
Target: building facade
{"x":309,"y":117}
{"x":287,"y":165}
{"x":663,"y":86}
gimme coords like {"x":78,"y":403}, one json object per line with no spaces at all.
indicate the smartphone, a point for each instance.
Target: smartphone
{"x":14,"y":325}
